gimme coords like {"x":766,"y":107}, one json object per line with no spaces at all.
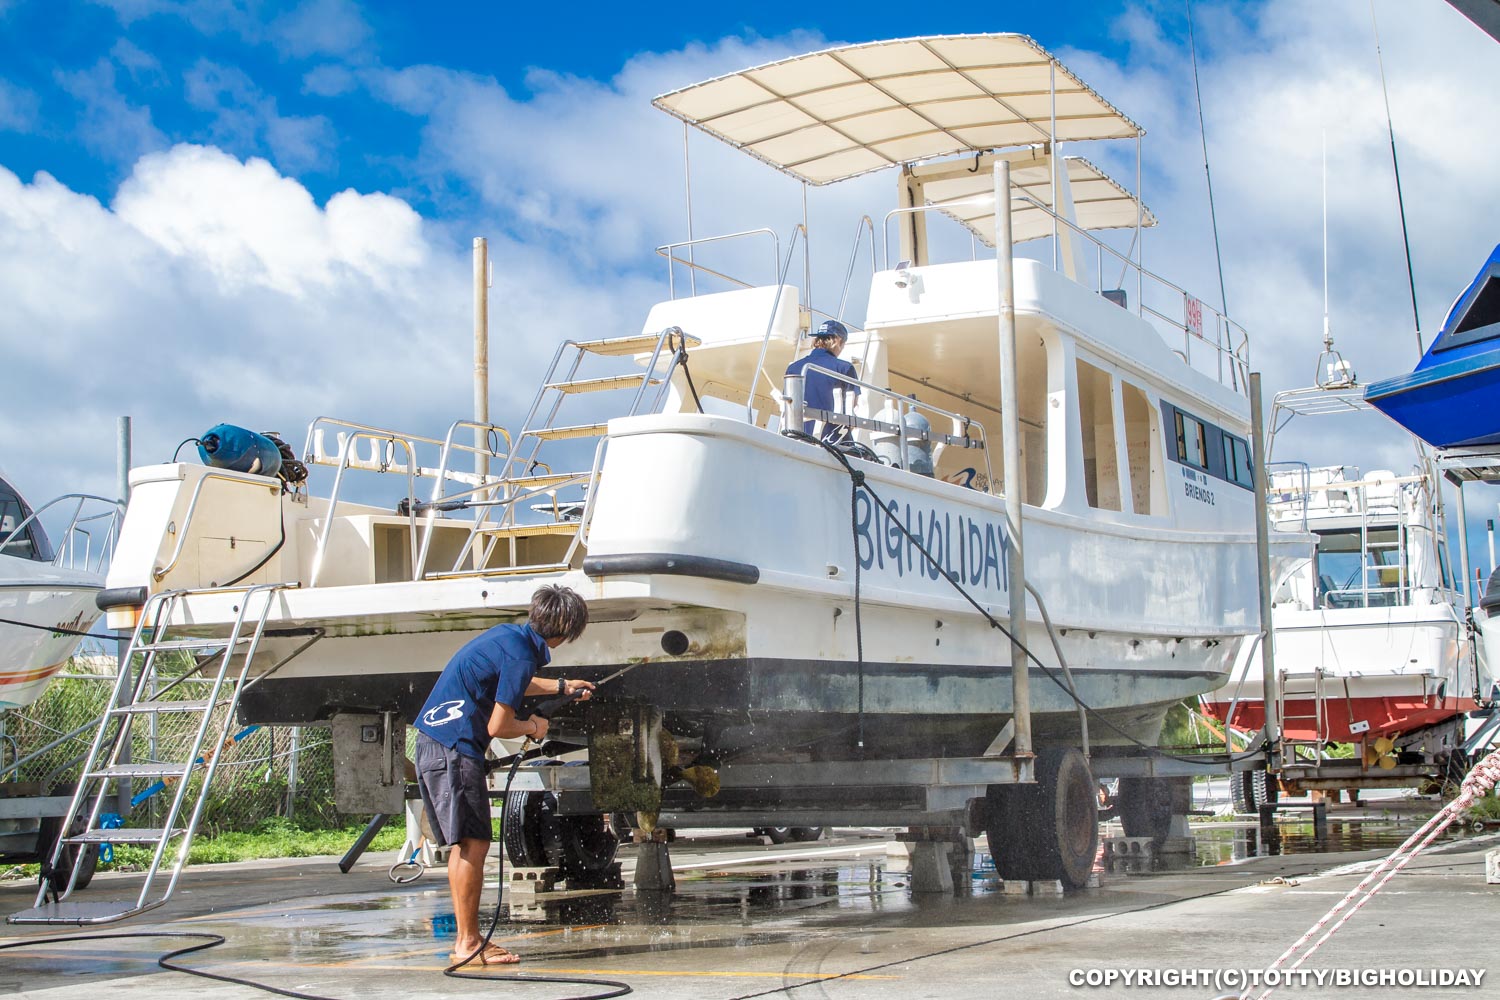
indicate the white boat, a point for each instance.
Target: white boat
{"x":43,"y":588}
{"x":778,"y":616}
{"x":1373,"y":644}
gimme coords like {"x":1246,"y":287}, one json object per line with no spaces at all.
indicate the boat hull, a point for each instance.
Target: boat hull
{"x":41,"y":597}
{"x":1449,"y":405}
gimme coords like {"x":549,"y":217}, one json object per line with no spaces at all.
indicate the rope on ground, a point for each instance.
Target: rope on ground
{"x":1475,"y":786}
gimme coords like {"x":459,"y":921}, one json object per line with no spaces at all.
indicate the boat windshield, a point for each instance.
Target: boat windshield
{"x":29,"y":543}
{"x":1351,"y":575}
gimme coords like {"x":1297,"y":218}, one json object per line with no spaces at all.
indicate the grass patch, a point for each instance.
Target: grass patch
{"x":1487,"y":809}
{"x":272,"y":838}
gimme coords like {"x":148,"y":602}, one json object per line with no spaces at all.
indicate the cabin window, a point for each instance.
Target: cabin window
{"x":1480,"y":319}
{"x":1096,"y":413}
{"x":1237,"y":461}
{"x":1191,"y":446}
{"x":1141,"y":449}
{"x":12,"y":513}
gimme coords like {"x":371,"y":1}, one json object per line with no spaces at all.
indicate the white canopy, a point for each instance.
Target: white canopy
{"x":1099,"y":202}
{"x":842,"y":112}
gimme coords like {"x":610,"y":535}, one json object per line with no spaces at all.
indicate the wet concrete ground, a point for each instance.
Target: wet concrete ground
{"x":826,"y":920}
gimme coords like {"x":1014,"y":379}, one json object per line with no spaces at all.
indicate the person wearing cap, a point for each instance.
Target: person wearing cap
{"x":819,"y":390}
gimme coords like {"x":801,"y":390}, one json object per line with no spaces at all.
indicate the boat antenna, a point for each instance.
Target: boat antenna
{"x":1203,"y":137}
{"x":1411,"y":281}
{"x":1333,"y":372}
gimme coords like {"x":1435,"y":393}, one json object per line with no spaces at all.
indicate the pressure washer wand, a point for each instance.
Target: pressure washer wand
{"x":549,"y":707}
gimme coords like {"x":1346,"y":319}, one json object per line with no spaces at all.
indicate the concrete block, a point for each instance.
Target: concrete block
{"x":1048,"y":887}
{"x":530,"y":881}
{"x":1492,"y":867}
{"x":1178,"y":845}
{"x":930,"y":868}
{"x":653,"y":868}
{"x":1015,"y":887}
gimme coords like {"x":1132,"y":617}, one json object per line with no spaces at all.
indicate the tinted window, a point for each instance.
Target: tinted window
{"x":1190,"y":443}
{"x":12,"y":513}
{"x":1237,"y":461}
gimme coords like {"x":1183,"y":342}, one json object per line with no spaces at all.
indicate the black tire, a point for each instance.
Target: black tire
{"x":587,"y":846}
{"x":1249,"y":790}
{"x":1049,"y":830}
{"x":85,"y":857}
{"x":535,"y":836}
{"x":776,"y":834}
{"x":521,"y":830}
{"x":807,"y":834}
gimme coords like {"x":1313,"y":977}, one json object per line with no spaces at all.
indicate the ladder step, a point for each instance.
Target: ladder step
{"x":602,"y":384}
{"x":155,"y":770}
{"x":548,"y":479}
{"x":154,"y":707}
{"x":579,"y":431}
{"x":190,"y":644}
{"x":616,"y":346}
{"x":92,"y":912}
{"x":502,"y":571}
{"x":125,"y":835}
{"x":527,"y":530}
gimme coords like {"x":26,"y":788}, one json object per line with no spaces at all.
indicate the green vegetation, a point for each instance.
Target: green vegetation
{"x":272,"y":838}
{"x":1486,"y":809}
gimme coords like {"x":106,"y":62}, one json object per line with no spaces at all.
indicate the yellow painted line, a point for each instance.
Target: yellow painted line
{"x":550,"y":970}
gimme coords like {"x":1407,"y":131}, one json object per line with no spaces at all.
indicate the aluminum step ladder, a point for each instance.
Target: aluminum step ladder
{"x":562,"y":382}
{"x":226,"y":660}
{"x":1300,"y":687}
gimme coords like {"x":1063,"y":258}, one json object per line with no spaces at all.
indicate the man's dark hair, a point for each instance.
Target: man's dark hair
{"x":558,"y":611}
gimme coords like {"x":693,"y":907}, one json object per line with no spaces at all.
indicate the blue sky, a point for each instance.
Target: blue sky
{"x":261,"y":211}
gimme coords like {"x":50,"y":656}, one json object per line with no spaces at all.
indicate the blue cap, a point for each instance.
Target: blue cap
{"x":832,"y":328}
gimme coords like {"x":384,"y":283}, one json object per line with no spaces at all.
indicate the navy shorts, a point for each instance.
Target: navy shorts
{"x":454,"y":792}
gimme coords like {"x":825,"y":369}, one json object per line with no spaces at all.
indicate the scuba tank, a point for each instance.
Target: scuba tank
{"x":918,"y":449}
{"x":887,"y":444}
{"x":238,"y":450}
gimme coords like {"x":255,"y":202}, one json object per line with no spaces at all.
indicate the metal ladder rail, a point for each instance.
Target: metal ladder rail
{"x":1319,"y":713}
{"x":166,"y":604}
{"x":269,"y":591}
{"x":85,"y":782}
{"x":532,"y":431}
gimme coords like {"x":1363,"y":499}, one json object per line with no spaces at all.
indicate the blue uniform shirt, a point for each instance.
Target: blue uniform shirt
{"x":494,"y":668}
{"x":817,"y":388}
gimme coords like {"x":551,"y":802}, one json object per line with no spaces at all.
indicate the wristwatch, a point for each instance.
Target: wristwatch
{"x":562,"y":686}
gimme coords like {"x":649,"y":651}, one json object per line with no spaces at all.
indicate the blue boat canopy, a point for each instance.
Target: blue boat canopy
{"x":1452,"y":398}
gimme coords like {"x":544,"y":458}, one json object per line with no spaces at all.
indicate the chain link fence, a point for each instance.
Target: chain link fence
{"x":263,"y":772}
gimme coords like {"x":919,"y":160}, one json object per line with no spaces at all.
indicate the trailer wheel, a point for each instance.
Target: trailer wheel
{"x":85,"y":856}
{"x":521,"y":830}
{"x":535,"y":836}
{"x":775,"y":834}
{"x":806,"y":834}
{"x":1249,"y":790}
{"x":1049,"y":830}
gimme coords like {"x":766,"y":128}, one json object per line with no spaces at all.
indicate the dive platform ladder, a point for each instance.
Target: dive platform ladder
{"x":224,"y":662}
{"x":1301,"y":686}
{"x":522,"y":481}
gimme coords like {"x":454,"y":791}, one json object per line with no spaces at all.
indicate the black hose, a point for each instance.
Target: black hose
{"x":618,"y":989}
{"x":209,"y":940}
{"x":860,"y":482}
{"x":178,"y":450}
{"x":264,"y":559}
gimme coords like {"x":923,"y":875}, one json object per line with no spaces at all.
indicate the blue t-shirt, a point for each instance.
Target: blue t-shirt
{"x":817,"y":388}
{"x":494,"y":668}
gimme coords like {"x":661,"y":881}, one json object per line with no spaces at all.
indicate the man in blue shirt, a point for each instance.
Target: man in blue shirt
{"x":818,"y":389}
{"x":477,"y":697}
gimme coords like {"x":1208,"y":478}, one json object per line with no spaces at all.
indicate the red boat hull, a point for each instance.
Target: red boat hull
{"x":1386,"y":716}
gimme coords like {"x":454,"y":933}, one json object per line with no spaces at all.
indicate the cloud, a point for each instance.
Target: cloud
{"x":244,"y":118}
{"x":310,"y":28}
{"x":18,"y":108}
{"x":323,"y":27}
{"x":218,"y":289}
{"x":109,"y":125}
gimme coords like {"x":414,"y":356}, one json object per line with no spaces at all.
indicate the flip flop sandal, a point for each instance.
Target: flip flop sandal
{"x":492,"y":955}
